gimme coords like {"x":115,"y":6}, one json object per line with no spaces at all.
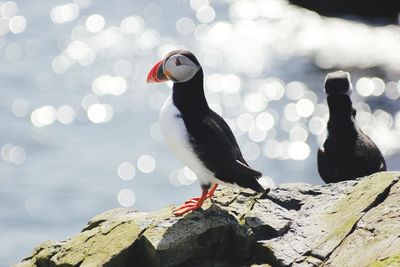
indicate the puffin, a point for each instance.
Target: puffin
{"x":198,"y":136}
{"x":347,"y":152}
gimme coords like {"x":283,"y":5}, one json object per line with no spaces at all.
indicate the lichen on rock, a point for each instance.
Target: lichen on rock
{"x":351,"y":223}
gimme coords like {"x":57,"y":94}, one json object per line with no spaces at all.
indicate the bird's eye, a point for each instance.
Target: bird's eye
{"x":177,"y":62}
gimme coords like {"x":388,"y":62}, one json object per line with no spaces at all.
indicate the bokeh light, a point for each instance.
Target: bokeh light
{"x":205,"y":14}
{"x":146,"y":163}
{"x":33,"y":206}
{"x":20,"y":108}
{"x":17,"y":24}
{"x":126,"y":197}
{"x":44,"y":116}
{"x":95,"y":23}
{"x":185,"y":26}
{"x":100,"y":113}
{"x":126,"y":171}
{"x":64,"y":13}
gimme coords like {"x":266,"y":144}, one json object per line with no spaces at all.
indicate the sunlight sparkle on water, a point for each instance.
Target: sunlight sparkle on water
{"x":148,"y":39}
{"x":64,"y":13}
{"x":95,"y":23}
{"x":81,"y":52}
{"x":173,"y":178}
{"x":126,"y":197}
{"x":229,"y":83}
{"x":33,"y":206}
{"x":126,"y":171}
{"x":122,"y":68}
{"x":273,"y":89}
{"x":295,"y":90}
{"x":265,"y":120}
{"x":257,"y":134}
{"x":244,"y":9}
{"x":205,"y":14}
{"x":109,"y":85}
{"x":89,"y":100}
{"x":196,"y":4}
{"x":255,"y":102}
{"x":18,"y":24}
{"x":305,"y":107}
{"x":100,"y":113}
{"x":291,"y":113}
{"x":251,"y":150}
{"x":44,"y":116}
{"x":213,"y":59}
{"x":132,"y":25}
{"x":298,"y":133}
{"x":365,"y":87}
{"x":245,"y":121}
{"x":219,"y":33}
{"x":186,"y":177}
{"x":14,"y":52}
{"x":8,"y":9}
{"x":20,"y":108}
{"x":155,"y":132}
{"x":82,"y":3}
{"x":13,"y":154}
{"x":66,"y":114}
{"x":392,"y":90}
{"x":146,"y":163}
{"x":185,"y":26}
{"x":317,"y":125}
{"x":298,"y":150}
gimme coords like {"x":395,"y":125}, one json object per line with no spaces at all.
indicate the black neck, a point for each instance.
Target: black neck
{"x":341,"y":115}
{"x":189,"y":96}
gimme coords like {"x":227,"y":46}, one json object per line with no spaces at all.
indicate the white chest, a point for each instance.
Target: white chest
{"x":176,"y":136}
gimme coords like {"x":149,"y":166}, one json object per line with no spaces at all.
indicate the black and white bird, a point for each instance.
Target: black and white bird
{"x":198,"y":136}
{"x":347,"y":153}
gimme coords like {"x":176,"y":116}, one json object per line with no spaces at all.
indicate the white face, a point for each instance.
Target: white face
{"x":179,"y":68}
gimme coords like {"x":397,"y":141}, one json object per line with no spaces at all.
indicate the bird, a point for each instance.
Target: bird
{"x":197,"y":135}
{"x":347,"y":152}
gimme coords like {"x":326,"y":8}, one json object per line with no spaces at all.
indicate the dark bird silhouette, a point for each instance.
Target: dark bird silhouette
{"x":198,"y":136}
{"x":347,"y":153}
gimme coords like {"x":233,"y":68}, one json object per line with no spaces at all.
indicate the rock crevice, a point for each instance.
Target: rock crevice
{"x":294,"y":225}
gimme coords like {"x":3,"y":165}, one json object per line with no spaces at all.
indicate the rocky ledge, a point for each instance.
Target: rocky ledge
{"x":352,"y":223}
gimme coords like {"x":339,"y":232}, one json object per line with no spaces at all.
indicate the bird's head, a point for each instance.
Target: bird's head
{"x":178,"y":66}
{"x":338,"y":82}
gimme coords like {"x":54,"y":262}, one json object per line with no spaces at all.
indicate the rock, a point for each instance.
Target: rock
{"x":351,"y":223}
{"x":385,"y":11}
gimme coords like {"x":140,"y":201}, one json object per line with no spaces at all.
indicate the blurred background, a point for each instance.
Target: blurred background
{"x":79,"y":131}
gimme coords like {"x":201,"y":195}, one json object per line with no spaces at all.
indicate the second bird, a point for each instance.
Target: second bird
{"x":347,"y":153}
{"x":198,"y":136}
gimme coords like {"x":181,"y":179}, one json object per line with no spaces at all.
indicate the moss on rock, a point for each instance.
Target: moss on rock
{"x":352,"y":223}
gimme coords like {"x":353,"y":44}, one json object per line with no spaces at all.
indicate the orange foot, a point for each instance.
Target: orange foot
{"x":195,"y":203}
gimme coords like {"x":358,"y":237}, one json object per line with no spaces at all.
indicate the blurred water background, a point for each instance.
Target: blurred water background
{"x":79,"y":131}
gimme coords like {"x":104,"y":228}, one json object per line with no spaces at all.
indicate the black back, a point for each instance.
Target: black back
{"x":211,"y":137}
{"x":347,"y":153}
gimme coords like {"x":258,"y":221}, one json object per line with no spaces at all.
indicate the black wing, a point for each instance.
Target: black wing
{"x":326,"y":167}
{"x":345,"y":159}
{"x":216,"y":146}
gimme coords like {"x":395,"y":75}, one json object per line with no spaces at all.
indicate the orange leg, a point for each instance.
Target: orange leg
{"x":196,"y":202}
{"x":209,"y":195}
{"x":212,"y":190}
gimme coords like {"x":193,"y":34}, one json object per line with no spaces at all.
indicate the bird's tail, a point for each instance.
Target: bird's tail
{"x":247,"y":177}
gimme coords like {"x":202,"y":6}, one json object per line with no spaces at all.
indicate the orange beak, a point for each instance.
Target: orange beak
{"x":156,"y":74}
